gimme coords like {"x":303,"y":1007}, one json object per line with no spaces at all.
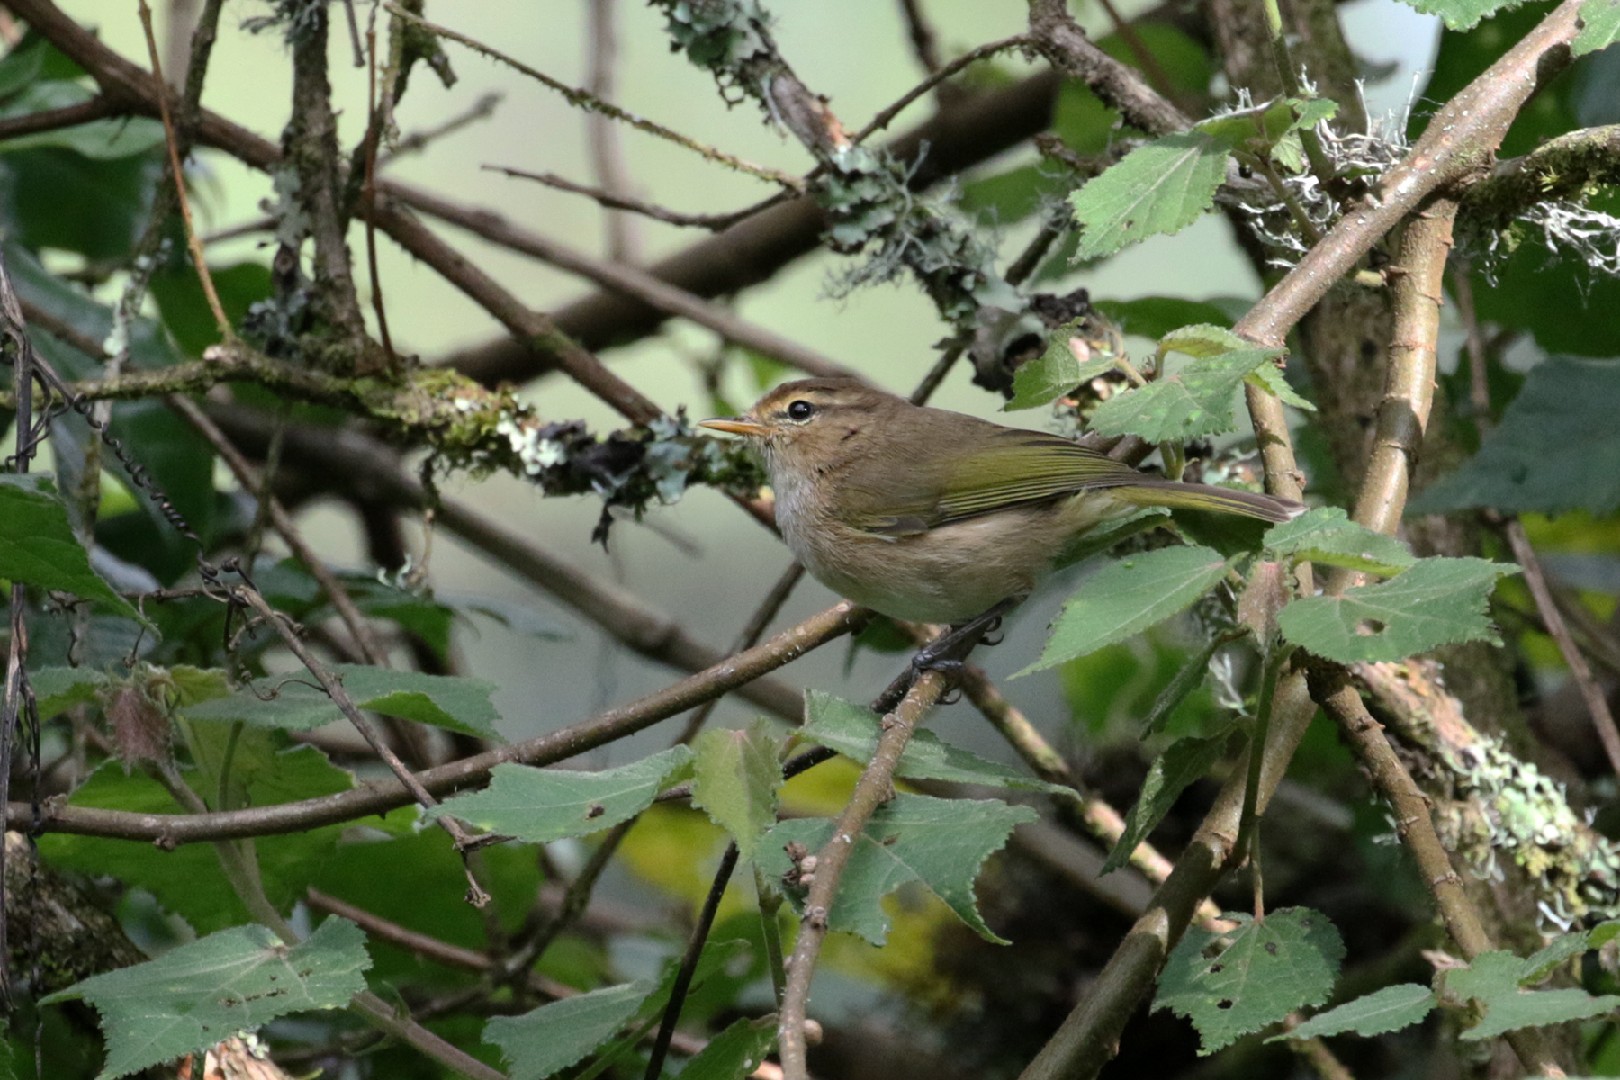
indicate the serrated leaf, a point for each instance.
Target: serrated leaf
{"x":1126,"y":597}
{"x":1389,"y":1009}
{"x":1327,"y":535}
{"x":735,"y":780}
{"x":542,"y":805}
{"x":938,"y":842}
{"x":59,"y":688}
{"x":1058,"y":370}
{"x":1600,"y":27}
{"x":1154,"y":316}
{"x":187,"y":880}
{"x":1492,"y":981}
{"x":1196,"y":401}
{"x":1552,"y":451}
{"x":1182,"y":764}
{"x":1159,"y":188}
{"x":453,"y":702}
{"x":544,"y":1041}
{"x":1462,"y":14}
{"x":1435,"y":602}
{"x":1234,"y":983}
{"x":204,"y":991}
{"x":1205,"y":340}
{"x":852,"y":730}
{"x":37,"y":546}
{"x":734,"y":1053}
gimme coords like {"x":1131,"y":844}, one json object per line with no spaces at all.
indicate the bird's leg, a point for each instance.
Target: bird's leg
{"x":948,"y":651}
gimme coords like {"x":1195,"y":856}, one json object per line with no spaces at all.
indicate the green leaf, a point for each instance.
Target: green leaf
{"x":1183,"y":763}
{"x":1155,"y":316}
{"x":735,"y":780}
{"x":1552,"y":451}
{"x":1197,"y":401}
{"x":1328,"y":536}
{"x":1235,"y":983}
{"x":541,"y":805}
{"x":1436,"y":602}
{"x":187,"y":880}
{"x":1205,"y":340}
{"x":1159,"y":188}
{"x":59,"y":688}
{"x":547,"y":1040}
{"x":1566,"y":947}
{"x":1389,"y":1009}
{"x":456,"y":703}
{"x":199,"y":993}
{"x":853,"y":731}
{"x":938,"y":842}
{"x":1128,"y":596}
{"x":37,"y":546}
{"x":1600,"y":27}
{"x":734,"y":1053}
{"x":1493,"y":980}
{"x":1462,"y":14}
{"x":1058,"y":370}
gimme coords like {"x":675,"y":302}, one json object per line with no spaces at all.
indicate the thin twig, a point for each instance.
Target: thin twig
{"x":1535,"y":577}
{"x":172,"y":142}
{"x":623,"y":201}
{"x":584,"y":99}
{"x":368,"y":192}
{"x":607,"y":153}
{"x":886,"y":115}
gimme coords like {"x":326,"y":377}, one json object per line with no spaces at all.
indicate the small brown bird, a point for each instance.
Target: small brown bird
{"x":936,"y":516}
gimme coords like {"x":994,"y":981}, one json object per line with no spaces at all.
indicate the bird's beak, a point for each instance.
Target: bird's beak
{"x":739,"y":426}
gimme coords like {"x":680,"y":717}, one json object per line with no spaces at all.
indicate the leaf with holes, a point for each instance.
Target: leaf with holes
{"x":1600,"y":27}
{"x":542,"y":805}
{"x":1436,"y":602}
{"x":1235,"y":983}
{"x":196,"y":994}
{"x":940,"y":843}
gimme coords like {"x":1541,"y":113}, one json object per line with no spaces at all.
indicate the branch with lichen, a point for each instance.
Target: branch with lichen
{"x":870,"y":208}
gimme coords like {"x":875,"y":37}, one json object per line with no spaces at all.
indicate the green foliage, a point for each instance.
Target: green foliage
{"x":1462,"y":14}
{"x":1057,"y":370}
{"x":1235,"y":983}
{"x":1389,"y":1009}
{"x":188,"y":880}
{"x":37,"y":546}
{"x":1128,"y":596}
{"x":544,"y":1041}
{"x":940,"y":843}
{"x":1183,"y":763}
{"x":736,"y":777}
{"x":735,"y":1052}
{"x":541,"y":805}
{"x":1552,"y":451}
{"x":1198,"y":401}
{"x":1495,"y":983}
{"x":1159,"y":188}
{"x":455,"y":703}
{"x":1435,"y":602}
{"x":1328,"y":536}
{"x":853,"y":731}
{"x":1600,"y":26}
{"x":235,"y":980}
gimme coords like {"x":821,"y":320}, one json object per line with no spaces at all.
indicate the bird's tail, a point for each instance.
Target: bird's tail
{"x":1177,"y":495}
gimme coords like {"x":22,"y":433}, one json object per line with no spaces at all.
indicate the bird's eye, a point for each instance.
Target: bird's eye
{"x":800,"y":410}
